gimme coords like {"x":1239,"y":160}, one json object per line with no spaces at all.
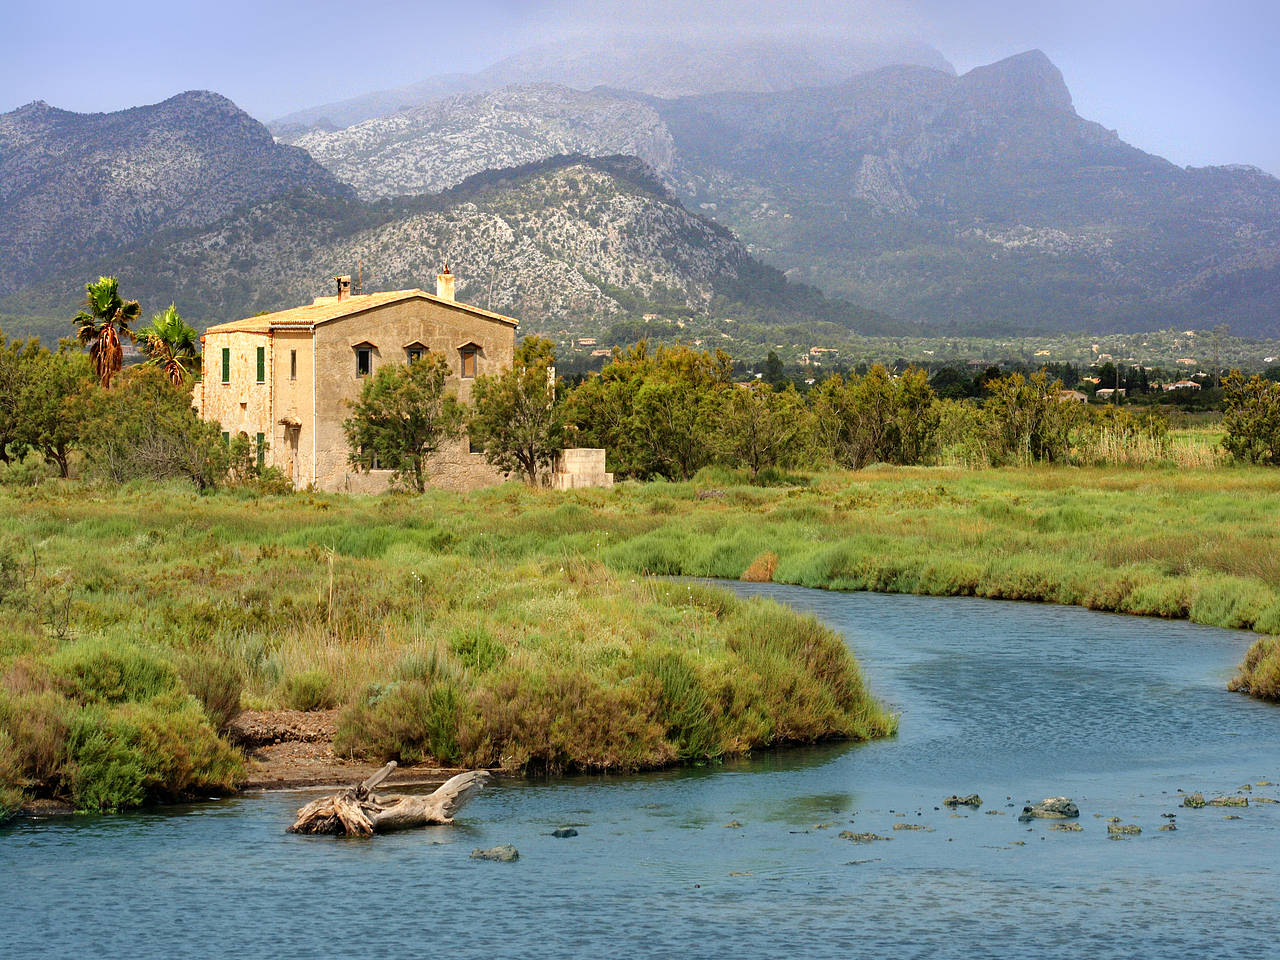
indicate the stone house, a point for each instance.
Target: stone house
{"x":286,"y":379}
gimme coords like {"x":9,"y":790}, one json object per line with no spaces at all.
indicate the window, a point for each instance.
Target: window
{"x":472,"y":446}
{"x":262,"y":364}
{"x":415,"y":353}
{"x":261,"y":446}
{"x":364,"y":361}
{"x":226,"y":438}
{"x":226,"y":364}
{"x":293,"y":364}
{"x":468,"y":362}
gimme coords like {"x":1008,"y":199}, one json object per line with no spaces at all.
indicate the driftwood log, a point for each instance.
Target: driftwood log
{"x":359,"y":812}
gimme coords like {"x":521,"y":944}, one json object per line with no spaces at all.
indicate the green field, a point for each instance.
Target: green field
{"x":515,"y":627}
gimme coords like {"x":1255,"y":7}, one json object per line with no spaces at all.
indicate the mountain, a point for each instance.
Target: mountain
{"x":981,"y":203}
{"x":666,"y":67}
{"x":430,"y":148}
{"x":75,"y":184}
{"x":573,"y":246}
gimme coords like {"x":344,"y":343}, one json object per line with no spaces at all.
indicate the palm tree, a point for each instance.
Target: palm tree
{"x":170,"y":344}
{"x":102,"y":323}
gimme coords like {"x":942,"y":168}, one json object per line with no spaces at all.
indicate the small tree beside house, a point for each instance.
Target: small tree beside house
{"x":517,"y":421}
{"x":401,"y":418}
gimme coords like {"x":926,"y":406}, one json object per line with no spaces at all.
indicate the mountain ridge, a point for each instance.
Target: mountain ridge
{"x":973,"y":202}
{"x":73,"y":184}
{"x":573,"y":246}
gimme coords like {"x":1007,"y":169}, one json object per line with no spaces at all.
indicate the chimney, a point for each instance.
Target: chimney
{"x":344,"y":287}
{"x":444,"y":284}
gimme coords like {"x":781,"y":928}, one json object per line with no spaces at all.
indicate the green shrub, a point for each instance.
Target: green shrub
{"x":38,"y":724}
{"x":476,"y":649}
{"x":310,"y":690}
{"x":407,"y":721}
{"x":1260,"y":673}
{"x":217,"y":683}
{"x":553,"y":720}
{"x":130,"y":754}
{"x":10,"y":777}
{"x":684,"y":708}
{"x":113,"y":672}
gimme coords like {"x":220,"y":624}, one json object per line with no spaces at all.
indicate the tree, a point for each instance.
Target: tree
{"x":402,"y":417}
{"x":876,"y":417}
{"x":146,"y":428}
{"x":655,"y":412}
{"x":517,"y":419}
{"x":14,"y":361}
{"x":102,"y":324}
{"x":774,"y":373}
{"x":46,"y":421}
{"x":171,"y":344}
{"x":1028,"y":418}
{"x":761,"y":427}
{"x":1251,"y":420}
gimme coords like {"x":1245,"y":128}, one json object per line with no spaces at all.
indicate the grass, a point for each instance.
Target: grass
{"x":138,"y":621}
{"x":517,"y":628}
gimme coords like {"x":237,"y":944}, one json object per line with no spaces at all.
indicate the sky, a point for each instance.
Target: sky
{"x":1196,"y":81}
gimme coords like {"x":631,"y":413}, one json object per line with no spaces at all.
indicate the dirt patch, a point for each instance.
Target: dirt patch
{"x":289,"y":749}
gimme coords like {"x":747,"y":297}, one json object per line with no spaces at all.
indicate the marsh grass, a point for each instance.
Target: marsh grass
{"x":517,"y":628}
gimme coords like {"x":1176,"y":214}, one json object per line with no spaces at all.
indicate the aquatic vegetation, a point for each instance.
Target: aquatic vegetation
{"x":1260,"y":673}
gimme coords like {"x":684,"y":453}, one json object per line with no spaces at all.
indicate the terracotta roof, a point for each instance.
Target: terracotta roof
{"x":329,"y":308}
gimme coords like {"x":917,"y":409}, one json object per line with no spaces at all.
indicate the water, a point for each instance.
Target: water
{"x":1015,"y":702}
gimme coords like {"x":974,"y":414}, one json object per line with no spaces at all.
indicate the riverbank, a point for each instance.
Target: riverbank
{"x":516,"y":628}
{"x":139,"y":622}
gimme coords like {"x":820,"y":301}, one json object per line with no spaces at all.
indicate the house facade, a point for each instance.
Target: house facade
{"x":287,"y":380}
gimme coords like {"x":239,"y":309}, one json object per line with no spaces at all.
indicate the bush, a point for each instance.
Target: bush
{"x":10,"y":777}
{"x":38,"y":725}
{"x":98,"y":671}
{"x":146,"y":428}
{"x":685,"y":708}
{"x":218,"y":684}
{"x":1260,"y":673}
{"x":310,"y":690}
{"x":127,"y":755}
{"x":408,"y":721}
{"x":555,"y":720}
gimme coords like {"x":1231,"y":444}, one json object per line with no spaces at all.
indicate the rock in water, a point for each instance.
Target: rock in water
{"x":972,"y":800}
{"x":564,"y":832}
{"x":504,"y":853}
{"x":1123,"y":829}
{"x":1195,"y":801}
{"x":1067,"y":827}
{"x":1050,"y":808}
{"x":1229,"y":802}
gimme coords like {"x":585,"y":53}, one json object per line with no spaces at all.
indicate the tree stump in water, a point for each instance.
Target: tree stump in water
{"x":358,"y":812}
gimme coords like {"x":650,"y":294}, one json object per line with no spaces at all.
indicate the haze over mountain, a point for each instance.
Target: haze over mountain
{"x":981,"y":202}
{"x":662,"y":66}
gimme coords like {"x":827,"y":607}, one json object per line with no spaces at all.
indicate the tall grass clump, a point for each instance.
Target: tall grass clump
{"x":1259,"y":675}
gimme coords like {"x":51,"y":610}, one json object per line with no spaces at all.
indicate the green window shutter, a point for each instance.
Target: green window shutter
{"x":262,"y":450}
{"x":226,"y":438}
{"x":226,"y":364}
{"x":262,"y":364}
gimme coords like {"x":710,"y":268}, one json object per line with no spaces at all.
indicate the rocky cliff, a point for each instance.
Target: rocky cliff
{"x":74,"y":184}
{"x":981,"y":202}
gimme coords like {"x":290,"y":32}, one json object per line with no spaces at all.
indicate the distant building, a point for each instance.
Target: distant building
{"x":1182,"y":385}
{"x":287,"y":379}
{"x":1106,"y":393}
{"x":1072,"y":396}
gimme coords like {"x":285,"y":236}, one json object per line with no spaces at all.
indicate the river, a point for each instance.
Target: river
{"x":1015,"y":702}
